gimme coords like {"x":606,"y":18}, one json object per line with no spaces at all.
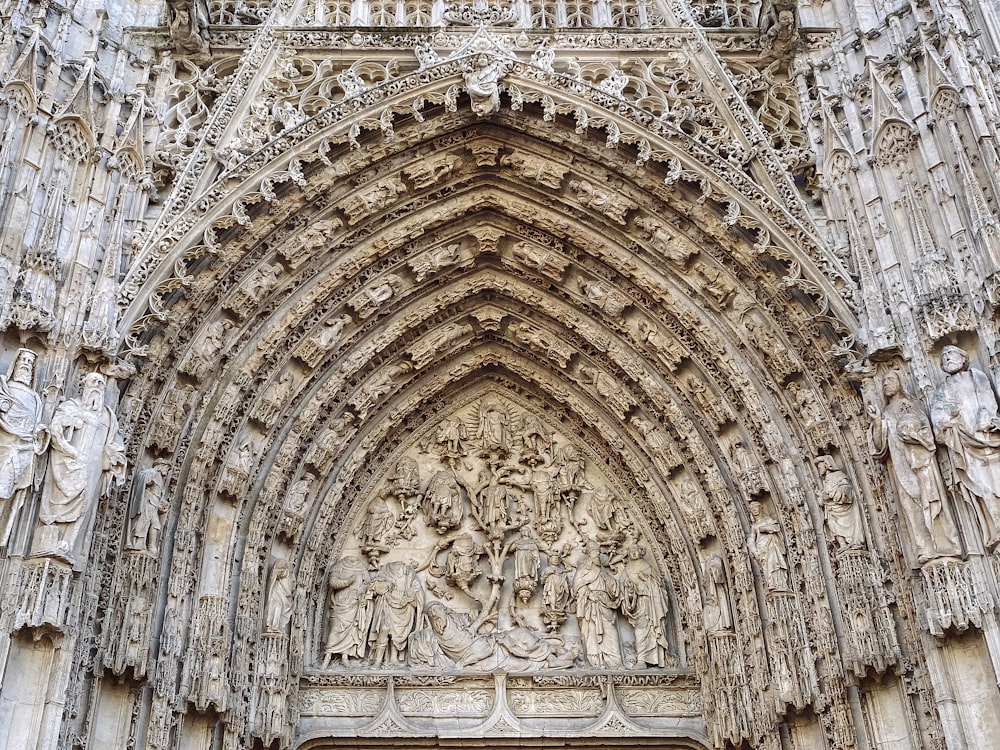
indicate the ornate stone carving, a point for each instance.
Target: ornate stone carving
{"x":149,"y":503}
{"x":967,"y":423}
{"x":22,"y":437}
{"x":86,"y":458}
{"x":767,"y":547}
{"x":901,"y":434}
{"x":843,"y":515}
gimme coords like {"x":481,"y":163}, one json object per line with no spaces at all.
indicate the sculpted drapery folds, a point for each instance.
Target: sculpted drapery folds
{"x":87,"y":456}
{"x":22,"y":437}
{"x":644,"y":602}
{"x":843,"y":516}
{"x":768,"y":549}
{"x":901,"y":434}
{"x":350,"y":611}
{"x":597,"y":597}
{"x":967,"y":423}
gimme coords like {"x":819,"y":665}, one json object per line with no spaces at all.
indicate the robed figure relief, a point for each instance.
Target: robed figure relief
{"x":86,"y":457}
{"x":520,"y":554}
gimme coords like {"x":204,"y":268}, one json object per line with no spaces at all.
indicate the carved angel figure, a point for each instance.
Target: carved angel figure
{"x":482,"y":81}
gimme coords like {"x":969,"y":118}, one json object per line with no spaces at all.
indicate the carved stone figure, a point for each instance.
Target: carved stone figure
{"x":482,"y":81}
{"x":555,"y":591}
{"x":298,"y":494}
{"x":451,"y":435}
{"x":204,"y":356}
{"x":349,"y":611}
{"x":967,"y":423}
{"x":378,"y":530}
{"x":239,"y":466}
{"x":535,"y":436}
{"x":644,"y":602}
{"x":526,"y":564}
{"x":148,"y":505}
{"x":843,"y":516}
{"x":22,"y":437}
{"x":455,"y":637}
{"x":443,"y":504}
{"x":901,"y":434}
{"x":768,"y":548}
{"x":87,"y":456}
{"x":717,"y":615}
{"x":597,"y":597}
{"x":462,"y":562}
{"x":398,"y":602}
{"x":278,"y":609}
{"x":494,"y":426}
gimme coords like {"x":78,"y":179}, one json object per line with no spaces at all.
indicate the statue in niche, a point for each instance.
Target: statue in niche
{"x":443,"y":505}
{"x":22,"y":436}
{"x":597,"y":597}
{"x":204,"y":356}
{"x":494,"y":427}
{"x":768,"y":548}
{"x":535,"y":436}
{"x":806,"y":405}
{"x":644,"y":603}
{"x":717,"y":616}
{"x":149,"y":503}
{"x":451,"y":436}
{"x":660,"y":449}
{"x":482,"y":80}
{"x":278,"y":609}
{"x":277,"y":393}
{"x":603,"y":298}
{"x":331,"y":332}
{"x":967,"y":424}
{"x":556,"y":596}
{"x":176,"y":405}
{"x":843,"y":515}
{"x":901,"y":434}
{"x":87,"y":456}
{"x":378,"y":530}
{"x":397,"y":605}
{"x":349,"y":611}
{"x":239,"y":466}
{"x":298,"y":495}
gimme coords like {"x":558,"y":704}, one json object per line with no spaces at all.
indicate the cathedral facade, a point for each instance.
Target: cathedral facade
{"x":488,"y":373}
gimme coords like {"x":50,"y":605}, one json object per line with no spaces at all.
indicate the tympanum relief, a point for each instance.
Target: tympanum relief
{"x":494,"y":543}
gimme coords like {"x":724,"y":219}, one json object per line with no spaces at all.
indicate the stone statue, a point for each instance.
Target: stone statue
{"x":555,"y":591}
{"x":901,"y":434}
{"x":644,"y":602}
{"x":482,"y":81}
{"x":349,"y":611}
{"x":398,"y":602}
{"x":443,"y":506}
{"x":717,"y":616}
{"x":768,"y":548}
{"x":22,"y":436}
{"x":967,"y":424}
{"x":455,"y":636}
{"x":843,"y":515}
{"x":451,"y":435}
{"x":377,"y":533}
{"x":298,"y":494}
{"x":278,"y":609}
{"x":494,"y":426}
{"x":597,"y":598}
{"x":148,"y":504}
{"x":87,"y":455}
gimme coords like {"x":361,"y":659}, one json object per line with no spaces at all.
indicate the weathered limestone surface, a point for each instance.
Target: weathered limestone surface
{"x":499,"y":371}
